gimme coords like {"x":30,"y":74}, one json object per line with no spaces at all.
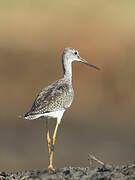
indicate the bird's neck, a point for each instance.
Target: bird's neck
{"x":67,"y":69}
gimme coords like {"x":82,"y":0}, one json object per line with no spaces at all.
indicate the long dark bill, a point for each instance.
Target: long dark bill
{"x":86,"y":62}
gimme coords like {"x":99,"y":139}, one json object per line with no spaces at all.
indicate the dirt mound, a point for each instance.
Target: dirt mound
{"x":106,"y":172}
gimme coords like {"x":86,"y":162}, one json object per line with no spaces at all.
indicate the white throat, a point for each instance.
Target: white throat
{"x":67,"y":68}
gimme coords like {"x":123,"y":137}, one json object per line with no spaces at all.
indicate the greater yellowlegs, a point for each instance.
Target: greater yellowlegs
{"x":53,"y":100}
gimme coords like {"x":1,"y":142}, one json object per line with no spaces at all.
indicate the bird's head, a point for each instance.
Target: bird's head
{"x":70,"y":54}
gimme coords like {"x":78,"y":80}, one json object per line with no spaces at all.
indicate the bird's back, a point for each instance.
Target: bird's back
{"x":56,"y":97}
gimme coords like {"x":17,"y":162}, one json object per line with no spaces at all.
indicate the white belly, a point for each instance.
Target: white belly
{"x":55,"y":114}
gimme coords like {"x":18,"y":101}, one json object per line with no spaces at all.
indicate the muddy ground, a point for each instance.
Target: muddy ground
{"x":106,"y":172}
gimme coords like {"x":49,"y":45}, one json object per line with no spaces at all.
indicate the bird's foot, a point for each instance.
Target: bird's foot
{"x":50,"y":167}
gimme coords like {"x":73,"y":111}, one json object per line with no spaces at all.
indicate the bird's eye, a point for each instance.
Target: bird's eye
{"x":75,"y":52}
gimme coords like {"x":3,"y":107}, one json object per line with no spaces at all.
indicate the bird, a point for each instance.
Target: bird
{"x":53,"y":100}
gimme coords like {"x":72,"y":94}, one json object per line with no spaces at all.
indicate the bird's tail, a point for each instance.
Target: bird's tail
{"x":22,"y":116}
{"x":28,"y":116}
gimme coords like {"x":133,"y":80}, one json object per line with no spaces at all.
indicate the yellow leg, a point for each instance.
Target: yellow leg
{"x":55,"y":132}
{"x":52,"y":148}
{"x":48,"y":138}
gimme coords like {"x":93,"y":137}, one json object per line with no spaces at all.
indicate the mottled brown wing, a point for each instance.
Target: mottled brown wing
{"x":53,"y":98}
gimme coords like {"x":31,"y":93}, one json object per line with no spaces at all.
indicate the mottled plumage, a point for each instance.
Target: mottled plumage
{"x":56,"y":97}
